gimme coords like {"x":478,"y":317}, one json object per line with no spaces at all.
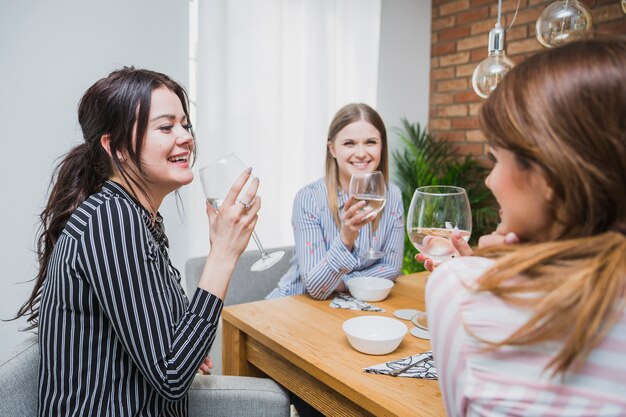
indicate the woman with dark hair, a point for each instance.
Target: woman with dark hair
{"x":539,"y":327}
{"x":327,"y":223}
{"x":117,"y":334}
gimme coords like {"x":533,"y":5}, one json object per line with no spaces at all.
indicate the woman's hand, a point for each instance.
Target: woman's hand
{"x":464,"y":249}
{"x":206,"y":366}
{"x":232,"y":226}
{"x":353,"y":218}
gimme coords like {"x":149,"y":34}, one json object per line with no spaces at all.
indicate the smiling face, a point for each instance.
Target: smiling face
{"x":166,"y":152}
{"x":524,"y":198}
{"x":356,"y":148}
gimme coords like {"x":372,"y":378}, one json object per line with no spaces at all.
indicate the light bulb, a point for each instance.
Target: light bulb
{"x":490,"y":71}
{"x":624,"y":6}
{"x":563,"y":21}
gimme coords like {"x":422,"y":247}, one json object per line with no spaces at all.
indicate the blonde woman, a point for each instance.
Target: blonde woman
{"x":329,"y":227}
{"x":539,"y":327}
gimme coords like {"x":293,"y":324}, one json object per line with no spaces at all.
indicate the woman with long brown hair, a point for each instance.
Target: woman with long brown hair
{"x":539,"y":327}
{"x":117,"y":334}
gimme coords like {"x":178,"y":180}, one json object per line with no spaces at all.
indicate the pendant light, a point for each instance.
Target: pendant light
{"x":490,"y":71}
{"x":563,"y":21}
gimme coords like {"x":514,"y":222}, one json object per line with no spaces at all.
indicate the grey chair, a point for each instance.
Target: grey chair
{"x":209,"y":396}
{"x":245,"y":286}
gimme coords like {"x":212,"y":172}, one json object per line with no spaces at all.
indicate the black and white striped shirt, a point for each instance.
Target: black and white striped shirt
{"x":118,"y":336}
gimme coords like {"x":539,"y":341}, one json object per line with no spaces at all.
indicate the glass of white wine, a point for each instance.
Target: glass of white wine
{"x":217,"y":178}
{"x":435,"y":212}
{"x":371,"y":188}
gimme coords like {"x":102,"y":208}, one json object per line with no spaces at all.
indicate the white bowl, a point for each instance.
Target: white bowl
{"x":369,"y":288}
{"x":374,"y":335}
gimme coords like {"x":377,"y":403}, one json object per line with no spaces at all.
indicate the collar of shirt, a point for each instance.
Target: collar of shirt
{"x":155,"y":225}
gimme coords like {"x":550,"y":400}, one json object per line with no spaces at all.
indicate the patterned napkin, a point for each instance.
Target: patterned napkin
{"x":345,"y":300}
{"x":424,"y":369}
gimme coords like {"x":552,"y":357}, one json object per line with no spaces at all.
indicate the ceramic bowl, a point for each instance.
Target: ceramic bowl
{"x":374,"y":335}
{"x":369,"y":288}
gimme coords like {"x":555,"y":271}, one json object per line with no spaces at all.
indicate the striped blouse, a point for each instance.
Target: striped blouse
{"x":511,"y":381}
{"x":118,"y":336}
{"x":321,"y":260}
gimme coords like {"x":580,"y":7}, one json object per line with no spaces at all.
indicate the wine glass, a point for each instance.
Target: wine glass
{"x":217,"y":178}
{"x":435,"y":212}
{"x":370,"y":187}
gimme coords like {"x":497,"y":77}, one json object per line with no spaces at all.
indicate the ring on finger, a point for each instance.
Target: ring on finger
{"x":246,"y":206}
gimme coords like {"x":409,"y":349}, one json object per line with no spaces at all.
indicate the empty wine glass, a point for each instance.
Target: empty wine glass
{"x":217,"y":178}
{"x":371,"y":188}
{"x":434,"y":214}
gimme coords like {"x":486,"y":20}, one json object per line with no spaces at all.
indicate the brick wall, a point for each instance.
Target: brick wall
{"x":460,"y":31}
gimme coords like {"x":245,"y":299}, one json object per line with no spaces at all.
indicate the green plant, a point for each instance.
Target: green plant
{"x":425,"y":161}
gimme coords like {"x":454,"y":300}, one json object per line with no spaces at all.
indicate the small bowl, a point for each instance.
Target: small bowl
{"x":374,"y":335}
{"x":369,"y":288}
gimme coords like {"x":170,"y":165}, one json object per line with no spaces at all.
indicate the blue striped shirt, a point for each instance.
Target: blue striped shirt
{"x":118,"y":336}
{"x":321,"y":260}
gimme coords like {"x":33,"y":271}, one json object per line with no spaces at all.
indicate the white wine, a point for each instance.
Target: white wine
{"x":374,"y":203}
{"x":435,"y":243}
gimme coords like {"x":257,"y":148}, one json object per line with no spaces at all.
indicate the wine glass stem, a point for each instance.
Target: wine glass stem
{"x":258,"y":244}
{"x":372,"y":236}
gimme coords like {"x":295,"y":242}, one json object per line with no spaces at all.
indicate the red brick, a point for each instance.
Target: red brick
{"x":441,"y":98}
{"x":469,"y":149}
{"x":450,"y":136}
{"x":452,"y":85}
{"x":472,"y":15}
{"x":452,"y":111}
{"x":475,"y":135}
{"x":465,"y":123}
{"x":442,"y":73}
{"x":439,"y":124}
{"x":507,"y":6}
{"x":443,"y":48}
{"x":442,"y":23}
{"x":465,"y":70}
{"x":434,"y":62}
{"x":453,"y":7}
{"x":525,"y":16}
{"x":468,"y":96}
{"x":453,"y":33}
{"x":542,"y":2}
{"x":473,"y":42}
{"x":606,"y":13}
{"x":478,"y":55}
{"x":474,"y":107}
{"x":517,"y":32}
{"x":481,"y":2}
{"x":483,"y":26}
{"x":617,"y":27}
{"x":453,"y":59}
{"x":524,"y":46}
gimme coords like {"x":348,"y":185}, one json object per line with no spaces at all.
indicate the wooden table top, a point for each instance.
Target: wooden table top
{"x":308,"y":333}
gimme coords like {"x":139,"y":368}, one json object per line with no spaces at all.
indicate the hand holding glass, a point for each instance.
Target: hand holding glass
{"x":217,"y":178}
{"x":371,"y":188}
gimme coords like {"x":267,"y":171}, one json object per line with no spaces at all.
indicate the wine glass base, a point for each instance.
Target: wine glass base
{"x":420,"y":333}
{"x":267,"y":261}
{"x":372,"y":254}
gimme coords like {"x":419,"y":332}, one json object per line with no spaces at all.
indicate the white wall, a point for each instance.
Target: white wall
{"x":404,"y":67}
{"x":50,"y":53}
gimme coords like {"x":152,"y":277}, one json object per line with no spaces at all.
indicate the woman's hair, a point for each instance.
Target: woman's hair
{"x":348,"y":114}
{"x":117,"y":106}
{"x":563,"y":112}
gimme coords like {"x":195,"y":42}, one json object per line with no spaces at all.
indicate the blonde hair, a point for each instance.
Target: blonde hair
{"x":564,"y":112}
{"x":348,"y":114}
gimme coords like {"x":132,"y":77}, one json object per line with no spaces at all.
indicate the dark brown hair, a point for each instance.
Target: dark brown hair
{"x":118,"y":106}
{"x":564,"y":111}
{"x":348,"y":114}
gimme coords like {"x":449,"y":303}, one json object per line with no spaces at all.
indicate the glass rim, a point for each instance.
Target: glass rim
{"x":216,"y":160}
{"x":454,"y":190}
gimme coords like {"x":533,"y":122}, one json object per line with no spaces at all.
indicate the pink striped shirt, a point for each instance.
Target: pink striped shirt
{"x":511,"y":381}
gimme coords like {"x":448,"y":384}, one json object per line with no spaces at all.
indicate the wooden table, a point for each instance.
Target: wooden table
{"x":299,"y":342}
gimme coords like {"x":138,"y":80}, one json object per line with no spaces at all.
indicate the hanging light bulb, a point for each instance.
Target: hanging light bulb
{"x":490,"y":71}
{"x":624,"y":6}
{"x":563,"y":21}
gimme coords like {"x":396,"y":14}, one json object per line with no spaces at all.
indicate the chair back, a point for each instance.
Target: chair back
{"x":19,"y":380}
{"x":245,"y":285}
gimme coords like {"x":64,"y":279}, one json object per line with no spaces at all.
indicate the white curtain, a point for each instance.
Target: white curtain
{"x":266,"y":78}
